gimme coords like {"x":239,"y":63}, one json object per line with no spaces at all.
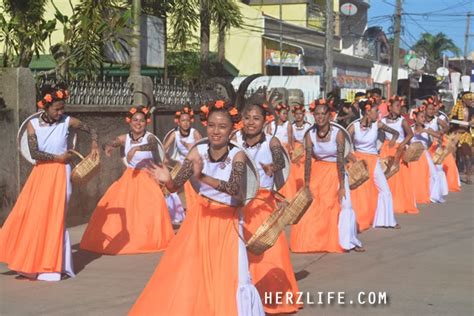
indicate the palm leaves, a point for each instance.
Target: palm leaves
{"x":93,"y":23}
{"x":187,"y":15}
{"x":184,"y":22}
{"x":24,"y":31}
{"x":433,"y":47}
{"x":225,"y":14}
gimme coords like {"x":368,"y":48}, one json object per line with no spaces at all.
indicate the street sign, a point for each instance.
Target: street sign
{"x":349,"y":9}
{"x":442,"y":71}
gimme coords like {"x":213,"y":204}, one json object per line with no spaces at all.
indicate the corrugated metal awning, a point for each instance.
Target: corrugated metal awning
{"x":316,"y":52}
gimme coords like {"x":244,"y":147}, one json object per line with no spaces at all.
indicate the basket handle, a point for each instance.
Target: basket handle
{"x":240,"y":217}
{"x":76,"y":153}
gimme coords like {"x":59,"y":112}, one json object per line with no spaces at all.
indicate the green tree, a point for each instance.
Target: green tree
{"x":23,"y":31}
{"x":225,"y":14}
{"x":432,"y":47}
{"x":187,"y":15}
{"x":93,"y":23}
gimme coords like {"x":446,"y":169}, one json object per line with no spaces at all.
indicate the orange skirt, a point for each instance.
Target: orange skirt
{"x":271,"y":271}
{"x":189,"y":195}
{"x":364,"y":198}
{"x":420,"y":174}
{"x":296,"y":179}
{"x":401,"y":184}
{"x":449,"y":167}
{"x":289,"y":188}
{"x":452,"y":173}
{"x":317,"y":231}
{"x":31,"y":240}
{"x":132,"y":217}
{"x":198,"y":273}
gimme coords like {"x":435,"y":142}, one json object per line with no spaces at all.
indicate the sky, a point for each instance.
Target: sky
{"x":430,"y":19}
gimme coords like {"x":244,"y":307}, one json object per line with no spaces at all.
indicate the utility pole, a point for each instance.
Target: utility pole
{"x":466,"y":40}
{"x":281,"y":41}
{"x":135,"y":64}
{"x":396,"y":48}
{"x":328,"y":47}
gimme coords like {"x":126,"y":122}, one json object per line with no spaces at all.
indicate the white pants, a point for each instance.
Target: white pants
{"x":248,"y":299}
{"x":384,"y":216}
{"x":347,"y":226}
{"x":175,"y":207}
{"x":436,"y":181}
{"x":443,"y":181}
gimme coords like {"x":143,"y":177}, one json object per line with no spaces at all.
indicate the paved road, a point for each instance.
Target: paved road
{"x":424,"y":268}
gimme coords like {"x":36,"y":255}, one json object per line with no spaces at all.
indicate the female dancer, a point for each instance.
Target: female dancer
{"x":450,"y":167}
{"x":423,"y":171}
{"x":33,"y":240}
{"x":271,"y":271}
{"x":372,"y":201}
{"x":400,"y":183}
{"x":132,"y":216}
{"x":183,"y":137}
{"x":213,"y":274}
{"x":440,"y":126}
{"x":281,"y":127}
{"x":299,"y":128}
{"x":329,"y":225}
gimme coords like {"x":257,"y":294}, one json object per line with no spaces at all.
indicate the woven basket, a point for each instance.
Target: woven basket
{"x":297,"y":207}
{"x":393,"y":170}
{"x":358,"y":174}
{"x":453,"y":140}
{"x":440,"y":154}
{"x":85,"y":169}
{"x":413,"y":152}
{"x":297,"y":153}
{"x":268,"y":232}
{"x":173,"y":173}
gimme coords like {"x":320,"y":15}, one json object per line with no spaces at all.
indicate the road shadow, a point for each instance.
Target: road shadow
{"x":300,"y":275}
{"x":81,"y":258}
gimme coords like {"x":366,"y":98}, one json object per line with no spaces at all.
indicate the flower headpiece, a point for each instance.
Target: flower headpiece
{"x":315,"y":103}
{"x":280,"y":107}
{"x":418,"y":110}
{"x":366,"y":104}
{"x":429,"y":101}
{"x":266,"y":112}
{"x":219,"y":105}
{"x":298,"y":107}
{"x":139,"y":109}
{"x":50,"y":98}
{"x":395,"y":98}
{"x":186,"y":110}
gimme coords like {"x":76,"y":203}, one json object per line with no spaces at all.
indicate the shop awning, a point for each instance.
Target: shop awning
{"x":317,"y":53}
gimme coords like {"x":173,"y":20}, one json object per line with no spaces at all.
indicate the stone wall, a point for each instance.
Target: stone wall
{"x":17,"y":88}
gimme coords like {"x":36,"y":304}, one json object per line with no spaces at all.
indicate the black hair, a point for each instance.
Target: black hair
{"x":139,"y":109}
{"x":323,"y":105}
{"x":376,"y":90}
{"x":260,"y":102}
{"x":51,"y":93}
{"x":219,"y":106}
{"x":364,"y":105}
